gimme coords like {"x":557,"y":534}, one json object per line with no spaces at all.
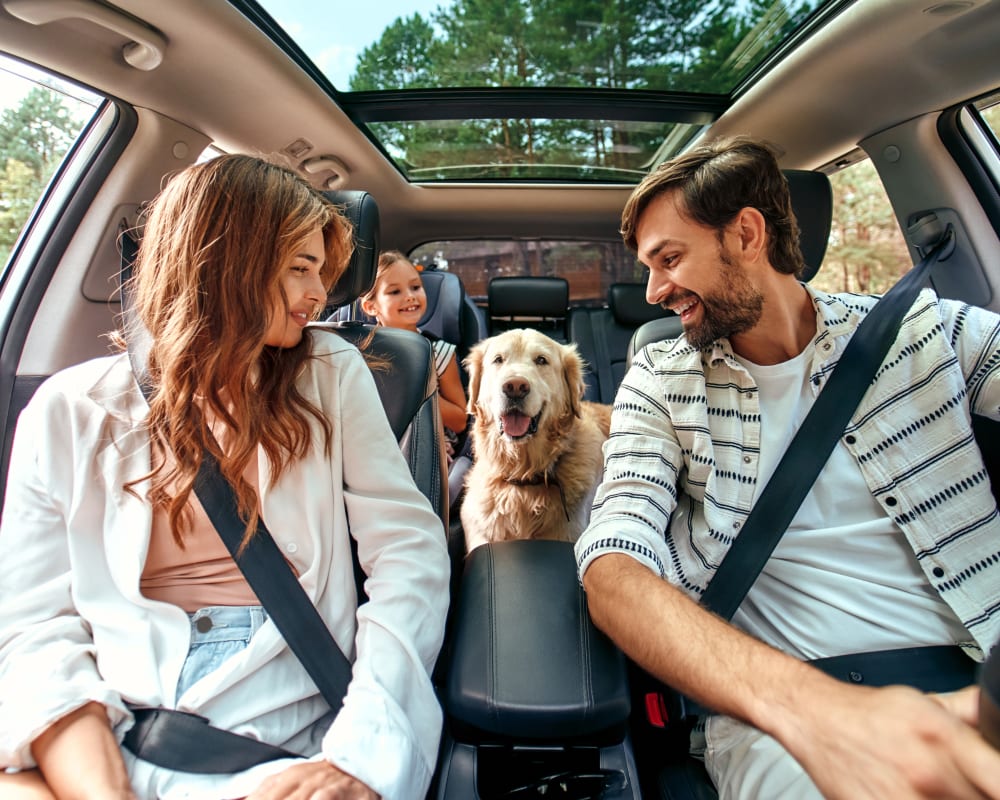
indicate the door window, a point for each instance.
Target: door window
{"x":41,"y":117}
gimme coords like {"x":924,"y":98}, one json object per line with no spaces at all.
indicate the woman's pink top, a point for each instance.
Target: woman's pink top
{"x":202,"y":573}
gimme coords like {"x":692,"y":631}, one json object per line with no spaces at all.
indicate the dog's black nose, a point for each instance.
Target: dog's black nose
{"x":516,"y":388}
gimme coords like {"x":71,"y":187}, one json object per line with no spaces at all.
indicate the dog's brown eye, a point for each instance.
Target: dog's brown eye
{"x":498,"y":359}
{"x":541,"y":360}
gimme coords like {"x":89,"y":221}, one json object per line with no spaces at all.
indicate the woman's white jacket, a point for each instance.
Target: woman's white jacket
{"x":75,"y":628}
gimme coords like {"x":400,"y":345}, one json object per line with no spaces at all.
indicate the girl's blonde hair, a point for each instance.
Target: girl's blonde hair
{"x":216,"y":243}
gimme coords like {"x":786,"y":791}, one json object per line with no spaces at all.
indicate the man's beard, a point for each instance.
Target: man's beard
{"x":735,"y":308}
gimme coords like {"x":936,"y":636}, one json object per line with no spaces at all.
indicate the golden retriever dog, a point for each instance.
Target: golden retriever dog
{"x":537,"y":443}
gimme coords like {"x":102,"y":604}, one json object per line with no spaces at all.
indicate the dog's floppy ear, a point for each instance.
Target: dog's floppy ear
{"x":474,"y":367}
{"x":572,"y":365}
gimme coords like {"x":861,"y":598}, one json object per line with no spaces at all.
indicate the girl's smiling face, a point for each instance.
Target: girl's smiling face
{"x":399,"y":300}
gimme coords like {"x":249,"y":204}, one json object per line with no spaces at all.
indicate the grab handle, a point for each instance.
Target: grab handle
{"x":144,"y":51}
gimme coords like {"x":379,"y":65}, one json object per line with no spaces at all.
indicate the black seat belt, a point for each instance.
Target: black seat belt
{"x":186,"y":742}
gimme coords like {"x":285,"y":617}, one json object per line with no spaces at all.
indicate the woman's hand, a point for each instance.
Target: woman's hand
{"x":313,"y":780}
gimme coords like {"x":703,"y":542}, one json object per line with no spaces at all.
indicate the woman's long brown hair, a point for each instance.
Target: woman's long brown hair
{"x":215,"y":245}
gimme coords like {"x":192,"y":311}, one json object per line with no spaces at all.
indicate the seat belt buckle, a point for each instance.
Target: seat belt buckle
{"x":656,"y":710}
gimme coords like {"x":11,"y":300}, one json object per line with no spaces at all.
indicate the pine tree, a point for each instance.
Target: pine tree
{"x":34,"y":138}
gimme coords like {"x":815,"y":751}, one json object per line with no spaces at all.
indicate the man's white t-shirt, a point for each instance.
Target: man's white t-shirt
{"x":843,"y":578}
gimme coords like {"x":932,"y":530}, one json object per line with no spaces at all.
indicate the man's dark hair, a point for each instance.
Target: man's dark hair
{"x":715,"y":182}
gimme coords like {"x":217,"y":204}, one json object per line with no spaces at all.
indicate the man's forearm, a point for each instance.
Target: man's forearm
{"x":79,"y":757}
{"x":854,"y":742}
{"x":693,"y":650}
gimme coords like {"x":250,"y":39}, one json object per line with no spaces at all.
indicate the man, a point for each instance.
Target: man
{"x":896,"y":545}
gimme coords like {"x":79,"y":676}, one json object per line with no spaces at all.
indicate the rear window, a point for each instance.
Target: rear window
{"x":589,"y":266}
{"x":866,"y":253}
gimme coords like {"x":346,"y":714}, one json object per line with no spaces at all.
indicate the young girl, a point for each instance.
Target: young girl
{"x":115,"y":589}
{"x":397,"y":300}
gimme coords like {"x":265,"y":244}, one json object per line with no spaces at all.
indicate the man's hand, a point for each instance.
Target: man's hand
{"x":856,"y":743}
{"x":895,"y":742}
{"x":313,"y":780}
{"x":964,"y":704}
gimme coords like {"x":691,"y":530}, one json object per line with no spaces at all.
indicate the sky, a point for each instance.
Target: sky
{"x":332,"y":32}
{"x":12,"y":85}
{"x":17,"y":79}
{"x":347,"y":27}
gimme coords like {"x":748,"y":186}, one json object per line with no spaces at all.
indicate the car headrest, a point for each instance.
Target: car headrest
{"x":655,"y":330}
{"x":812,"y":203}
{"x":628,"y":305}
{"x":445,"y":296}
{"x":528,"y":296}
{"x":360,"y":209}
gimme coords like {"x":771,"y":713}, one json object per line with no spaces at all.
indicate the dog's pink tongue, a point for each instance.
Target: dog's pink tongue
{"x":516,"y":424}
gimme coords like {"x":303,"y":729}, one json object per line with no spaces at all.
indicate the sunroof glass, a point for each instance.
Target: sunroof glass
{"x":674,"y":50}
{"x":663,"y":45}
{"x":526,"y":149}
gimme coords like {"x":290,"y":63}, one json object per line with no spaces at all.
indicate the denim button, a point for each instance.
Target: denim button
{"x":203,"y":624}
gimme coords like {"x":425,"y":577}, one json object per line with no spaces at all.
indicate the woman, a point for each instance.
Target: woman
{"x":116,"y":589}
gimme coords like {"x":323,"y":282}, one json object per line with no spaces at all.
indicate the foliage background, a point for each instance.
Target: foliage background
{"x":34,"y":138}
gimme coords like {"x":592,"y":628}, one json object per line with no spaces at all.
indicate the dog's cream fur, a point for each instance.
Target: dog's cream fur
{"x":524,"y":383}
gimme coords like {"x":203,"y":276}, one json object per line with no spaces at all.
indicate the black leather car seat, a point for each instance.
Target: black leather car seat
{"x":451,"y":315}
{"x":528,"y":301}
{"x":408,"y":386}
{"x":602,"y":336}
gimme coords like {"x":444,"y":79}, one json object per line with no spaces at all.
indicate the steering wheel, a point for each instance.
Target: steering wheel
{"x":989,"y":699}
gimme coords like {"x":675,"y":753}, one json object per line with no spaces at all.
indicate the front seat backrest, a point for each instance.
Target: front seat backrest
{"x":812,"y":204}
{"x":361,"y":211}
{"x":408,"y":384}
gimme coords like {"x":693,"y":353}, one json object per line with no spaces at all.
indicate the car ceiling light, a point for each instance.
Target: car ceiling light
{"x":298,"y":148}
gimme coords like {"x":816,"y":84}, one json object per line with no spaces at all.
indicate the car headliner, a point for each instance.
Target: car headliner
{"x":223,"y":77}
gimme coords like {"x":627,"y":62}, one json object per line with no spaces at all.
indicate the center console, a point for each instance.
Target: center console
{"x":536,"y":698}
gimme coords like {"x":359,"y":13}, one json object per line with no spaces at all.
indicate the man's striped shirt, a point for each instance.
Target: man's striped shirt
{"x":681,"y":463}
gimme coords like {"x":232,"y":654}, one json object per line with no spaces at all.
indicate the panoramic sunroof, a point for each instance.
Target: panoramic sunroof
{"x":535,"y":90}
{"x":562,"y":150}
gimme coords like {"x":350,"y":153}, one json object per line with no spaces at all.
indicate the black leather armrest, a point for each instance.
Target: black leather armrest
{"x":527,"y":661}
